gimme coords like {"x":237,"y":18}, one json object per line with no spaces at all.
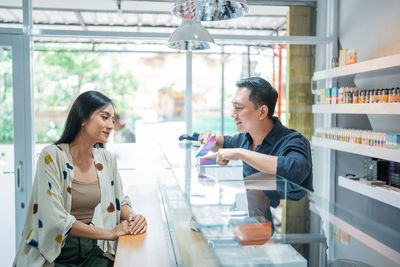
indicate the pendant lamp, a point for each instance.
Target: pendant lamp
{"x":190,"y":35}
{"x":210,"y":10}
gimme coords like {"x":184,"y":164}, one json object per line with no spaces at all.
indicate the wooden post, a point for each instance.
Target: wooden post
{"x":299,"y":100}
{"x":300,"y":67}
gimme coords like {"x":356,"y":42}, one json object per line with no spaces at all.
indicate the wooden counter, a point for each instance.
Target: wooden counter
{"x":153,"y":247}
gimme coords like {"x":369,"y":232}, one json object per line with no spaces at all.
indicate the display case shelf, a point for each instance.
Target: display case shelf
{"x":370,"y":151}
{"x":384,"y":64}
{"x":375,"y":108}
{"x":382,"y":194}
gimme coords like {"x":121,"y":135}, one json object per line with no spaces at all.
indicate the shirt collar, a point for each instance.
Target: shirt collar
{"x":271,"y":137}
{"x":275,"y":131}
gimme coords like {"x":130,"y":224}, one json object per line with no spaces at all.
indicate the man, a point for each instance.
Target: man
{"x":263,"y":143}
{"x":122,"y":133}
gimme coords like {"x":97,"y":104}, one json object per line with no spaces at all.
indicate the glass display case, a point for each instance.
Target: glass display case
{"x":217,"y":217}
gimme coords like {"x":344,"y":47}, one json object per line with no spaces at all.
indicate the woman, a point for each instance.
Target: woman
{"x":77,"y":206}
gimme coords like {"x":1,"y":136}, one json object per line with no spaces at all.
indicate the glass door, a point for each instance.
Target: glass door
{"x":7,"y":195}
{"x":15,"y":142}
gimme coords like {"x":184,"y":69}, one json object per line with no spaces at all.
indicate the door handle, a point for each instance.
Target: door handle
{"x":19,"y":170}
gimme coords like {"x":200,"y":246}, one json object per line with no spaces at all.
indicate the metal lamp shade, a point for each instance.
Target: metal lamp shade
{"x":190,"y":35}
{"x":210,"y":10}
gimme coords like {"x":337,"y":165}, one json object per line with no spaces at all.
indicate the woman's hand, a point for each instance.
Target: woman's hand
{"x":121,"y":229}
{"x":137,"y":224}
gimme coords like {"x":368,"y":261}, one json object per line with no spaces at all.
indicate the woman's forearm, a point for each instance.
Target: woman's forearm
{"x":126,"y":211}
{"x":81,"y":229}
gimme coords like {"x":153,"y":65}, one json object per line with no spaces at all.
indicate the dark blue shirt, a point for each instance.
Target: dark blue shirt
{"x":291,"y":147}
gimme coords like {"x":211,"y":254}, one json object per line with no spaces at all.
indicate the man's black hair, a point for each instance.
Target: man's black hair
{"x":262,"y":93}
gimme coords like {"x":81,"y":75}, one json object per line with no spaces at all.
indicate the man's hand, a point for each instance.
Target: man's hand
{"x":224,"y":155}
{"x":204,"y":136}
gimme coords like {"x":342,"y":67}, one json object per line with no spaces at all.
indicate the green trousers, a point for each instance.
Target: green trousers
{"x":79,"y":251}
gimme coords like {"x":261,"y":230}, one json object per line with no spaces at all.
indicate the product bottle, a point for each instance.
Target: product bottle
{"x":392,"y":95}
{"x":328,"y":95}
{"x":378,"y":96}
{"x":369,"y":138}
{"x":322,"y":97}
{"x":334,"y":95}
{"x":372,"y":97}
{"x":341,"y":95}
{"x":355,"y":97}
{"x":383,"y":139}
{"x":385,"y":95}
{"x":364,"y":97}
{"x":397,"y":95}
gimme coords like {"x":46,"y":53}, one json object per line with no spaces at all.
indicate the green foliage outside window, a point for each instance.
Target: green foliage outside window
{"x":6,"y":104}
{"x":61,"y":76}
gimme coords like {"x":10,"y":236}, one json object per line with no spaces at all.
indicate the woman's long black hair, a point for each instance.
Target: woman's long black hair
{"x":81,"y":110}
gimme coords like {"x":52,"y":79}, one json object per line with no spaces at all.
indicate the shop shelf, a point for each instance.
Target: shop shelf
{"x":375,"y":108}
{"x":370,"y":151}
{"x":382,"y":194}
{"x":381,"y":65}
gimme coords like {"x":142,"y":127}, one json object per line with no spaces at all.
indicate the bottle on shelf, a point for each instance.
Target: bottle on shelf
{"x":341,"y":95}
{"x":350,"y":98}
{"x":350,"y":95}
{"x":368,"y":97}
{"x":385,"y":96}
{"x":397,"y":94}
{"x":378,"y":96}
{"x":362,"y":97}
{"x":363,"y":137}
{"x":373,"y":96}
{"x":392,"y":95}
{"x":355,"y":97}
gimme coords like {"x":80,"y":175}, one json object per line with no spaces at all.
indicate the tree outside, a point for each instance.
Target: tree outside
{"x":144,"y":86}
{"x":61,"y":76}
{"x":6,"y":97}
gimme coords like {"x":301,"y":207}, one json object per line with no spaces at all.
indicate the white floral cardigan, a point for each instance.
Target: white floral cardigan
{"x":48,"y":219}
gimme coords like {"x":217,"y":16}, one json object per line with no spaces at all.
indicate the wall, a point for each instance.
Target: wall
{"x":370,"y":26}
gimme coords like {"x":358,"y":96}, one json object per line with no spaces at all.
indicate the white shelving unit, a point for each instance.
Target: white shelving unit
{"x":382,"y":194}
{"x":378,"y":65}
{"x":375,"y":108}
{"x":370,"y":151}
{"x":378,"y":70}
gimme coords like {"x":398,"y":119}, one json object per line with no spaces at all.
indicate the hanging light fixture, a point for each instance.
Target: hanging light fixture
{"x":210,"y":10}
{"x":190,"y":35}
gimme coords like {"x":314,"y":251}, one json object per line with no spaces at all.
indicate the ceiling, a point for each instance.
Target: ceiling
{"x":265,"y":17}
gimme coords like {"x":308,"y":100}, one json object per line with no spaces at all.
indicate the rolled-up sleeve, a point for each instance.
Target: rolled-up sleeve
{"x":295,"y":164}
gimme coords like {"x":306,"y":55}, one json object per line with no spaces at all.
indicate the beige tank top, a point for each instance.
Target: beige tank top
{"x":85,"y":197}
